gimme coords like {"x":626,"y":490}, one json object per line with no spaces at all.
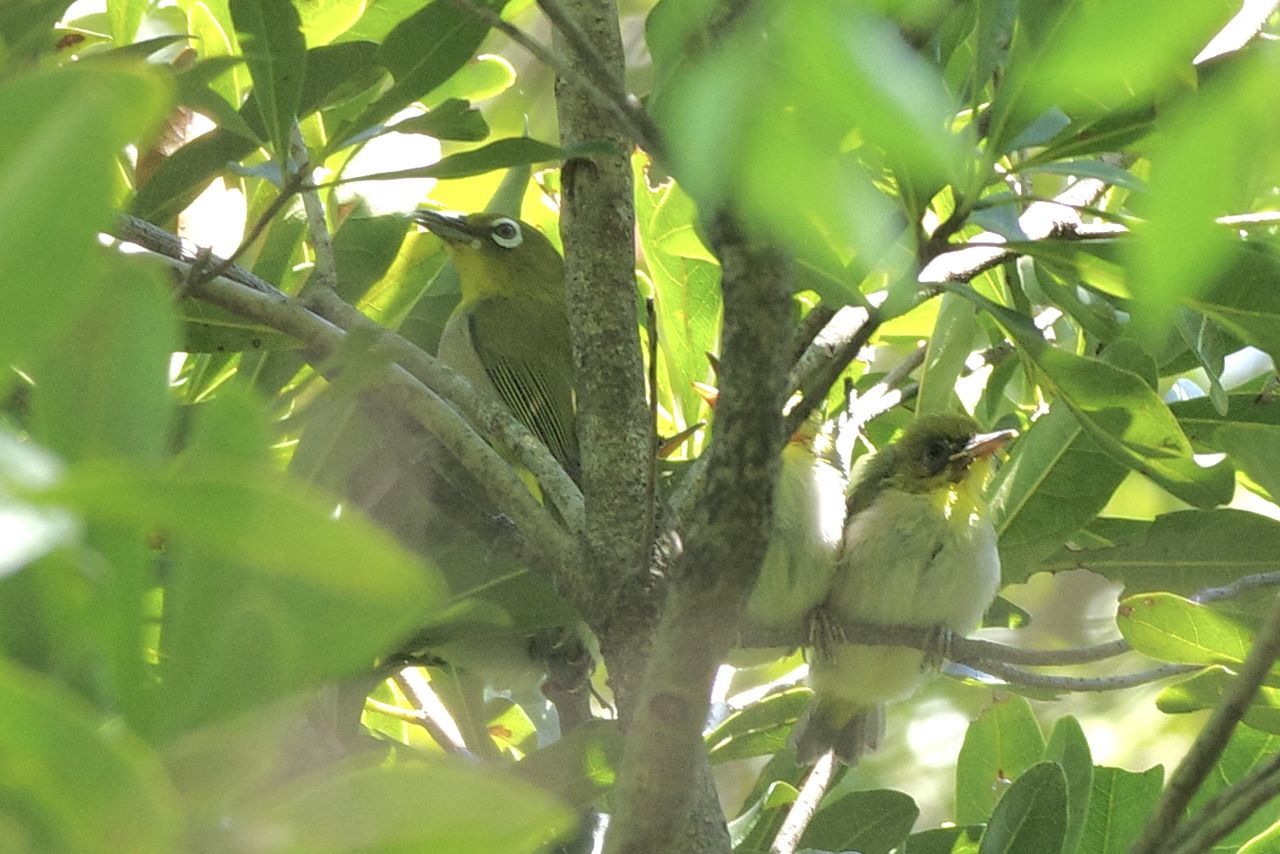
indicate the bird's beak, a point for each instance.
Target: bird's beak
{"x":983,"y":445}
{"x":451,"y":228}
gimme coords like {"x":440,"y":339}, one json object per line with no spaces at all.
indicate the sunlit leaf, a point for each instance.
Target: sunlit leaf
{"x":998,"y":747}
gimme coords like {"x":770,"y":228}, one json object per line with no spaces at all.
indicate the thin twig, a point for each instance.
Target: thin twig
{"x":1078,"y":684}
{"x":325,"y":274}
{"x":1228,"y":809}
{"x":1212,"y":740}
{"x":200,"y":274}
{"x":805,"y":805}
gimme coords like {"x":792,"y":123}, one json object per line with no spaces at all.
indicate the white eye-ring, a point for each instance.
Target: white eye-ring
{"x":506,"y":233}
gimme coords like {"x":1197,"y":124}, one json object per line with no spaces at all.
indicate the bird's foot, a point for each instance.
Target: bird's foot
{"x":937,"y":647}
{"x":825,"y":634}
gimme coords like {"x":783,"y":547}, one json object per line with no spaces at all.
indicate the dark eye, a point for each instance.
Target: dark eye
{"x":506,"y":233}
{"x":936,"y":456}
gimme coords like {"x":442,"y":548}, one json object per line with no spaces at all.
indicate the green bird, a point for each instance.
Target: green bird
{"x":919,"y":549}
{"x":509,"y":335}
{"x":804,"y":535}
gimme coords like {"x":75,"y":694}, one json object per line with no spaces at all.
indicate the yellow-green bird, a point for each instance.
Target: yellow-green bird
{"x":804,"y":535}
{"x":919,"y":549}
{"x":509,"y":335}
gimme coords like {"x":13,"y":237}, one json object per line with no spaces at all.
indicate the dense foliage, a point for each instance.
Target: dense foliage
{"x":262,"y":589}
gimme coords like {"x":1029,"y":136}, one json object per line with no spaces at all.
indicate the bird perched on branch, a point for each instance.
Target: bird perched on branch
{"x":509,"y":335}
{"x":804,"y":535}
{"x":919,"y":549}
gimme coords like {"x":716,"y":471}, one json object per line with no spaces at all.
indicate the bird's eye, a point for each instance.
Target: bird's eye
{"x":936,"y":456}
{"x":506,"y":233}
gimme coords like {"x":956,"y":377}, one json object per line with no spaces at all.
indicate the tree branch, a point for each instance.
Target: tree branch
{"x":597,"y":222}
{"x":805,"y":805}
{"x":1212,"y":740}
{"x":723,"y":547}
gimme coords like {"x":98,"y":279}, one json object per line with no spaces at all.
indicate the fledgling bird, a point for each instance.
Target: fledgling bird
{"x":804,"y":535}
{"x":509,"y":335}
{"x":919,"y":549}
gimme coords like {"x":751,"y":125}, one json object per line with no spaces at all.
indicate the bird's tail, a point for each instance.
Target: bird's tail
{"x":848,"y":731}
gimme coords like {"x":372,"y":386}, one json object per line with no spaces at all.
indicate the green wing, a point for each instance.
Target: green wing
{"x":524,"y":347}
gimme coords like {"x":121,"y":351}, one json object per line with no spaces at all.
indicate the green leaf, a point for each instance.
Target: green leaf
{"x":271,"y":39}
{"x":1182,"y":552}
{"x":209,"y":329}
{"x":25,"y":27}
{"x":1119,"y":411}
{"x":1170,"y":628}
{"x":52,"y":118}
{"x":364,"y":248}
{"x":1104,"y":54}
{"x":1266,"y":842}
{"x":1206,"y":689}
{"x":84,"y":786}
{"x":686,"y":283}
{"x":125,"y":15}
{"x":760,"y":729}
{"x":946,"y":840}
{"x":950,"y":345}
{"x":500,"y":154}
{"x":1201,"y":420}
{"x":1068,"y":747}
{"x":1056,"y":480}
{"x":453,"y":119}
{"x":409,"y":806}
{"x":870,"y":822}
{"x":998,"y":747}
{"x":1122,"y":802}
{"x":1255,"y":448}
{"x":184,"y":175}
{"x":267,"y":592}
{"x":105,"y":392}
{"x":422,"y":52}
{"x":1180,"y":252}
{"x":1032,"y":815}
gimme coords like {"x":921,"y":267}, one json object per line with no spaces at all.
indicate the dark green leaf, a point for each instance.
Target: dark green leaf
{"x":185,"y":174}
{"x":1122,"y":802}
{"x":1200,"y":419}
{"x":454,"y":119}
{"x":1119,"y":411}
{"x":270,"y":34}
{"x":1245,"y":295}
{"x":1068,"y":747}
{"x":1054,"y":482}
{"x":1255,"y":448}
{"x":946,"y":840}
{"x":1182,"y":552}
{"x":1032,"y":815}
{"x":423,"y":51}
{"x":871,"y":822}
